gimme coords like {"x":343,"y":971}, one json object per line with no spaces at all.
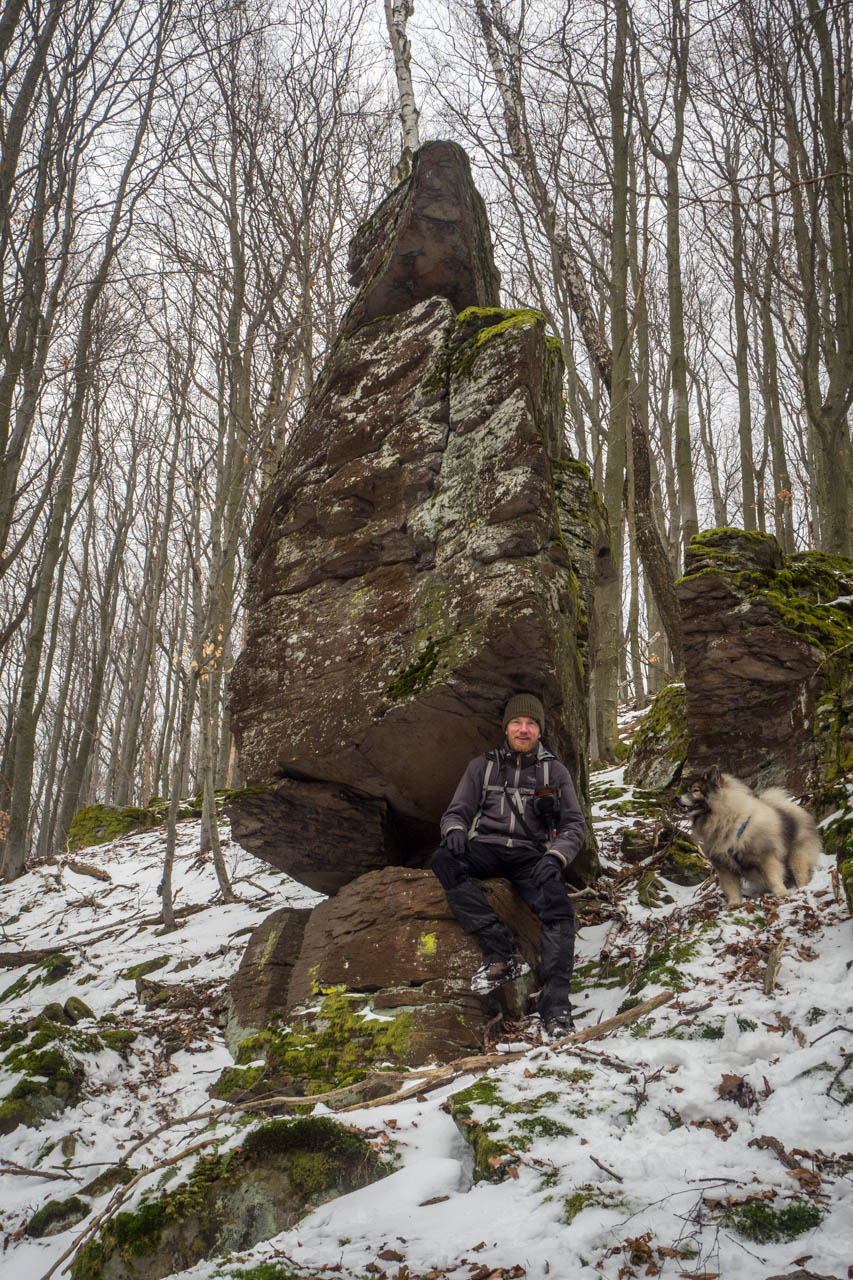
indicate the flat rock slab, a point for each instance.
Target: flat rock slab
{"x":257,"y":991}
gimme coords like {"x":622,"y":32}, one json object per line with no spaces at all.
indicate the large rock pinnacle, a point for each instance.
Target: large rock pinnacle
{"x":417,"y":557}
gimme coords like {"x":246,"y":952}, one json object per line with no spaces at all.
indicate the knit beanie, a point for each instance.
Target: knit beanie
{"x":524,"y":704}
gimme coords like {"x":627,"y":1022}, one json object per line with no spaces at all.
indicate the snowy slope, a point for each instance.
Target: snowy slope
{"x":623,"y":1155}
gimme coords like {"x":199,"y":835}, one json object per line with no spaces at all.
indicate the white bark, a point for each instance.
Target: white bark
{"x":397,"y":14}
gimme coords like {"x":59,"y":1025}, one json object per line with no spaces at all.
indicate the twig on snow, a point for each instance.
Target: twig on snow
{"x":605,"y":1169}
{"x":774,"y":960}
{"x":9,"y":1166}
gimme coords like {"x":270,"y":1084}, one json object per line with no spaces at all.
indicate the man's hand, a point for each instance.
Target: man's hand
{"x":456,"y":841}
{"x":548,"y":865}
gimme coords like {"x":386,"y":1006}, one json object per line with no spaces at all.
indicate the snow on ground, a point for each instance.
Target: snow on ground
{"x":625,"y":1154}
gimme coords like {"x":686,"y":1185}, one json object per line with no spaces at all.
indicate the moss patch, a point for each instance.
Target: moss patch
{"x":476,"y":327}
{"x":52,"y":1082}
{"x":325,"y":1049}
{"x":145,"y":966}
{"x":49,"y":970}
{"x":99,"y":824}
{"x":418,"y":674}
{"x":660,"y":967}
{"x":659,"y":748}
{"x":590,"y":1197}
{"x":759,"y":1221}
{"x":56,"y":1216}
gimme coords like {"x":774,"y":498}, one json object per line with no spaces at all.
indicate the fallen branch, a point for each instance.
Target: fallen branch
{"x":86,"y":869}
{"x":439,"y":1076}
{"x":9,"y":1166}
{"x":613,"y":932}
{"x":605,"y":1169}
{"x":14,"y":959}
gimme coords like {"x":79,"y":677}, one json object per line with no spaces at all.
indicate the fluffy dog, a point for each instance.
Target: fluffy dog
{"x":766,"y":838}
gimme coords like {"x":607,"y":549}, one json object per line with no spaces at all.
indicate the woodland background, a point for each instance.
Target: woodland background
{"x":670,"y":182}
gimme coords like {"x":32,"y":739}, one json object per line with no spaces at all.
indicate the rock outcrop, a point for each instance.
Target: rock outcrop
{"x":418,"y":556}
{"x":429,"y":238}
{"x":389,"y":944}
{"x":767,"y":656}
{"x":659,"y":748}
{"x":256,"y":992}
{"x":427,"y":548}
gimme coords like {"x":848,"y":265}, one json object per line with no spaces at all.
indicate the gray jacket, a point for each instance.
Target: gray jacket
{"x":488,"y":815}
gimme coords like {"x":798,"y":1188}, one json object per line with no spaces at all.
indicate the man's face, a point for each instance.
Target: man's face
{"x":522,"y":733}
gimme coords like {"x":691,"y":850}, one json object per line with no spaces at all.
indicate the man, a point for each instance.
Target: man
{"x":515,"y":814}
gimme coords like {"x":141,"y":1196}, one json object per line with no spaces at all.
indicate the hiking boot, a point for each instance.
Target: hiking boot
{"x":495,"y":973}
{"x":559,"y":1025}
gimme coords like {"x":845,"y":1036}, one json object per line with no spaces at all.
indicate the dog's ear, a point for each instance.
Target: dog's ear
{"x":713,"y":776}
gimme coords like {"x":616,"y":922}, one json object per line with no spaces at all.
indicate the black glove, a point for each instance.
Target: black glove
{"x":456,"y":841}
{"x":548,"y":865}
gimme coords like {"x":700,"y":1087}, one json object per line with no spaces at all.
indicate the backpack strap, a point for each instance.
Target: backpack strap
{"x":491,"y":761}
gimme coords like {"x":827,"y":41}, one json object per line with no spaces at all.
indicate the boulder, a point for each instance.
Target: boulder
{"x":767,"y":660}
{"x":232,"y":1201}
{"x":382,"y":979}
{"x":257,"y":991}
{"x":659,"y":748}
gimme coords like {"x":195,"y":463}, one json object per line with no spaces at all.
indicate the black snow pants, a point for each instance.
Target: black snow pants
{"x":539,"y":883}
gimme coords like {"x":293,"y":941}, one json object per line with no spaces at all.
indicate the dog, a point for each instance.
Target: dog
{"x":768,"y":838}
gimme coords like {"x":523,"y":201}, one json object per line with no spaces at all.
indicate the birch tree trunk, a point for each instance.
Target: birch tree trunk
{"x":397,"y":14}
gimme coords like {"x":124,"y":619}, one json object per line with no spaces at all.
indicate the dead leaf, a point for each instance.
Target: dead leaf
{"x":807,"y":1178}
{"x":736,"y":1089}
{"x":390,"y":1255}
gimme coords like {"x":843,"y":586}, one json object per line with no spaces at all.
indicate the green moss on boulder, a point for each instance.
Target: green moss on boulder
{"x":323,"y":1048}
{"x":52,"y":1082}
{"x":99,"y":824}
{"x":231,"y":1201}
{"x":57,"y":1216}
{"x":659,"y":748}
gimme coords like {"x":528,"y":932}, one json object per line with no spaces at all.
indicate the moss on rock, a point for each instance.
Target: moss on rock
{"x":231,"y":1201}
{"x":322,"y":1049}
{"x":659,"y":748}
{"x":57,"y":1216}
{"x":144,"y":967}
{"x":52,"y":1082}
{"x":100,"y":823}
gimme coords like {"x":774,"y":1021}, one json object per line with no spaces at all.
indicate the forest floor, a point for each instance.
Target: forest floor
{"x":712,"y":1139}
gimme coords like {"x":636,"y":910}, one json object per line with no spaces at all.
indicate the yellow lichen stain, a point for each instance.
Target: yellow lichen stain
{"x":428,"y":944}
